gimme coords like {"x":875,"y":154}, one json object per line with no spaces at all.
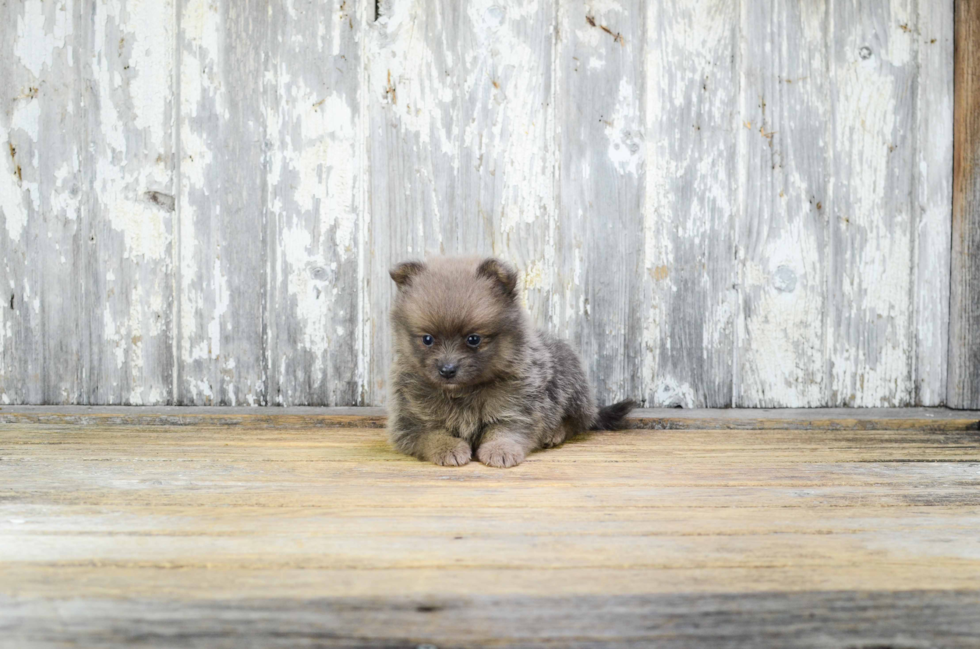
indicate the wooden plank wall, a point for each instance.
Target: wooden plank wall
{"x":719,"y":203}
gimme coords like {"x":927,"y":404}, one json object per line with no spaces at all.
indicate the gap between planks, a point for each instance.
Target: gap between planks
{"x":929,"y":419}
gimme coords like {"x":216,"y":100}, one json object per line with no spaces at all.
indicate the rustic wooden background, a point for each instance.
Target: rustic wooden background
{"x":719,"y":202}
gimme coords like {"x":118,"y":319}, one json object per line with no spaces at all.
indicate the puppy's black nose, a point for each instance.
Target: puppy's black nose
{"x":447,"y":371}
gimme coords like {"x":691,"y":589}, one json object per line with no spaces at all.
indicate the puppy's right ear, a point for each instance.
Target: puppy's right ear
{"x":502,"y":273}
{"x":403,"y":273}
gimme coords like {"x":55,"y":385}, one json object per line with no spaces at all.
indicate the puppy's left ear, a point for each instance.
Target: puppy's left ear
{"x":502,"y":273}
{"x":403,"y":273}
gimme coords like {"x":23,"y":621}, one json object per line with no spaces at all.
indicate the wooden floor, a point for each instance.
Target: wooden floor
{"x":304,"y":530}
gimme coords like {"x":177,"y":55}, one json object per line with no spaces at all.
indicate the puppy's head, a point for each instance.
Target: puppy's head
{"x":457,"y":321}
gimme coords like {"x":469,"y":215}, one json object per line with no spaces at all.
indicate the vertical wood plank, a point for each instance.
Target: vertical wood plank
{"x":414,"y":156}
{"x":36,"y":48}
{"x":782,"y":233}
{"x":222,"y":288}
{"x":963,"y":390}
{"x":87,"y":198}
{"x":314,"y":181}
{"x":933,"y":200}
{"x":462,"y":148}
{"x":130,"y":136}
{"x":601,"y":156}
{"x":872,"y":239}
{"x":507,"y":150}
{"x":690,"y":205}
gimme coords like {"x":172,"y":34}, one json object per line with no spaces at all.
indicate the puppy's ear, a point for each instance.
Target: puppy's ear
{"x":502,"y":273}
{"x":403,"y":273}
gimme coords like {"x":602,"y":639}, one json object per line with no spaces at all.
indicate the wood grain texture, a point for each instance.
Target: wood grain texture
{"x":964,"y":326}
{"x":690,"y":206}
{"x":932,"y":201}
{"x":39,"y":293}
{"x":508,"y":150}
{"x":807,"y":620}
{"x":222,"y":314}
{"x":86,"y":195}
{"x":314,"y":187}
{"x":824,"y":304}
{"x":413,"y":122}
{"x":196,"y":534}
{"x":872,"y":232}
{"x":270,"y":186}
{"x":785,"y":143}
{"x":599,"y":99}
{"x":462,"y":149}
{"x":718,"y":204}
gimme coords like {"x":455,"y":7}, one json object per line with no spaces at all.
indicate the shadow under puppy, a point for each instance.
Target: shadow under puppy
{"x":471,"y":372}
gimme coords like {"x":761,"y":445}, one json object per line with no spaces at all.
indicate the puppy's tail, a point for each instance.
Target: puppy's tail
{"x":611,"y":417}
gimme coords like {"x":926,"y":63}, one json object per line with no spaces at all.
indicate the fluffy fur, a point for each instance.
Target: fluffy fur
{"x":518,"y":389}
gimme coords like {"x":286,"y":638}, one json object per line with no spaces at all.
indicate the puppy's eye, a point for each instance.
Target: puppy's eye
{"x":427,"y":340}
{"x":473,"y":340}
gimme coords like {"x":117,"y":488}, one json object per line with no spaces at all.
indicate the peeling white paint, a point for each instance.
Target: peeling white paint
{"x":899,"y":49}
{"x":41,"y":32}
{"x":624,"y":132}
{"x":783,"y":197}
{"x":12,"y":200}
{"x":26,"y":117}
{"x":133,"y":342}
{"x":113,"y":337}
{"x":201,"y":92}
{"x":466,"y":109}
{"x":872,"y":356}
{"x":933,"y":204}
{"x":200,"y":70}
{"x":324,"y":162}
{"x":508,"y":151}
{"x":668,"y":393}
{"x":313,"y":306}
{"x":151,"y":61}
{"x":220,"y":293}
{"x":67,"y":198}
{"x":417,"y":98}
{"x":689,"y":204}
{"x":17,"y":194}
{"x":142,"y":226}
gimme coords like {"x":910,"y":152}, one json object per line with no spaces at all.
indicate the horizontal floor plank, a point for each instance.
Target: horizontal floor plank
{"x":191,"y":583}
{"x":915,"y":618}
{"x":119,"y":534}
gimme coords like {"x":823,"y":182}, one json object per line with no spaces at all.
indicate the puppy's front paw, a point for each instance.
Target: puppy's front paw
{"x":501,"y":453}
{"x":555,"y":438}
{"x":455,"y":453}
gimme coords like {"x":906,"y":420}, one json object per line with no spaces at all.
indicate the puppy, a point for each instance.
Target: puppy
{"x":471,"y":372}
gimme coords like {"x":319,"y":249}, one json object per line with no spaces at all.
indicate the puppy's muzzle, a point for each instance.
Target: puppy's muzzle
{"x":448,"y":370}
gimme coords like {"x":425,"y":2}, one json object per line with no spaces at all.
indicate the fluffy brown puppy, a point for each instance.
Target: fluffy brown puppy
{"x":471,"y":372}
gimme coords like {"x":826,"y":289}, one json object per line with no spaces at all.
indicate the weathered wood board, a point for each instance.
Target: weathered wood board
{"x":86,"y":201}
{"x":261,"y":534}
{"x":221,"y":267}
{"x":964,"y":326}
{"x":807,"y":620}
{"x":783,"y":239}
{"x":599,"y":100}
{"x":314,"y":159}
{"x":719,"y":204}
{"x":931,"y":206}
{"x":691,"y":106}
